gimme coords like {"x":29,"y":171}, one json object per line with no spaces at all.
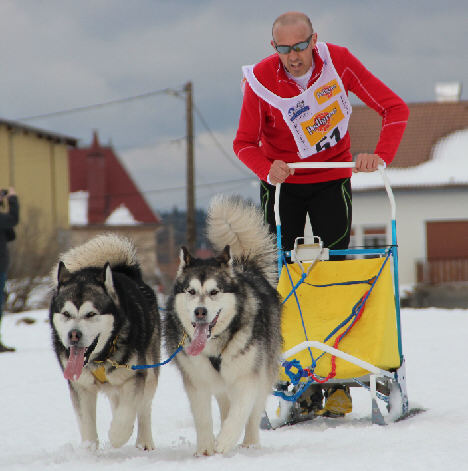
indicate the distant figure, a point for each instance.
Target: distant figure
{"x":9,"y":216}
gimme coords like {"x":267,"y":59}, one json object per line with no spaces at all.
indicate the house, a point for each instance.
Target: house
{"x":104,"y":198}
{"x":429,"y":177}
{"x":35,"y":163}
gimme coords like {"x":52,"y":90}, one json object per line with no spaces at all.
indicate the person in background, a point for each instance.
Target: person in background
{"x":296,"y":108}
{"x":9,"y":217}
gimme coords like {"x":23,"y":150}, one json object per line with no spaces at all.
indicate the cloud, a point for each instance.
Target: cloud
{"x":63,"y":54}
{"x":161,"y":171}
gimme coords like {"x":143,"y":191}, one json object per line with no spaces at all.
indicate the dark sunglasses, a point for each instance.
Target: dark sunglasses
{"x":298,"y":47}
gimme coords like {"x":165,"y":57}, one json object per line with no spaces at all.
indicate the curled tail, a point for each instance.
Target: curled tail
{"x":235,"y":222}
{"x":96,"y":252}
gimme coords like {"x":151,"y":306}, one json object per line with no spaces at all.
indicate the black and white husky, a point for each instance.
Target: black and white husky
{"x":102,"y":315}
{"x":229,"y":311}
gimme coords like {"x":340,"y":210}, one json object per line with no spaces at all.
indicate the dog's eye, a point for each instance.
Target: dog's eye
{"x":214,"y":292}
{"x":66,"y":314}
{"x":191,"y":291}
{"x":90,"y":314}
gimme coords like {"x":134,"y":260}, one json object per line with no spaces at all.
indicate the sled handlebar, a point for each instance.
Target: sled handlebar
{"x":381,"y":170}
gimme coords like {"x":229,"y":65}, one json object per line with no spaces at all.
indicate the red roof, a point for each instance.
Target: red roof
{"x":97,"y":170}
{"x":427,"y":124}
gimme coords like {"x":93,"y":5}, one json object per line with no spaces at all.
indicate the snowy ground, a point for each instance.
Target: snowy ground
{"x":38,"y":429}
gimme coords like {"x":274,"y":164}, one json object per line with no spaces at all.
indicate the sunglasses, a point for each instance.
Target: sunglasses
{"x":298,"y":47}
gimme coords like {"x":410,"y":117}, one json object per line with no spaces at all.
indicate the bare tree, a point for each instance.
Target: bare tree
{"x":32,"y":256}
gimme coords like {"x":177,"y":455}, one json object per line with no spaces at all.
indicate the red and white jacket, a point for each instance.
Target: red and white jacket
{"x":263,"y":135}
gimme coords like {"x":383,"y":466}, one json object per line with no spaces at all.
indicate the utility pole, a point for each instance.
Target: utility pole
{"x":191,"y":229}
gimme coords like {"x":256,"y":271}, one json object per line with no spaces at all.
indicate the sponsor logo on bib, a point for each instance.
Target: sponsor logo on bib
{"x":317,"y":126}
{"x":327,"y":91}
{"x":297,"y":110}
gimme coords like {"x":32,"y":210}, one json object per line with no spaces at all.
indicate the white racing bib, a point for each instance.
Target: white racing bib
{"x":318,"y":117}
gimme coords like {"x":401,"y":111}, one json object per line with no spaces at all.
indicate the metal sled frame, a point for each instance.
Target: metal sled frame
{"x":384,"y":386}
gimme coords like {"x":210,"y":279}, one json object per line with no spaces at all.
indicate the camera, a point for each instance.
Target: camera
{"x":3,"y":192}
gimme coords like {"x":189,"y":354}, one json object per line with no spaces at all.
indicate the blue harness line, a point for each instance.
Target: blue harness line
{"x":156,"y":365}
{"x":165,"y":362}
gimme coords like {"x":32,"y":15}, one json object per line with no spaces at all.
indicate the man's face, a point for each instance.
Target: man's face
{"x":296,"y":62}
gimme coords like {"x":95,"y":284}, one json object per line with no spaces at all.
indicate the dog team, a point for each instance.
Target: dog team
{"x":224,"y":310}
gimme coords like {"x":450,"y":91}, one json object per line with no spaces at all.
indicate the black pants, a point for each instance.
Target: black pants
{"x":328,"y":204}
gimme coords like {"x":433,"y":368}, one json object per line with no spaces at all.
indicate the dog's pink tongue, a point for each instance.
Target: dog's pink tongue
{"x":75,"y":363}
{"x":199,"y":339}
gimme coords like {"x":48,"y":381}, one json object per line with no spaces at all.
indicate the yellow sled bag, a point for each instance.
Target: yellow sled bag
{"x":325,"y":299}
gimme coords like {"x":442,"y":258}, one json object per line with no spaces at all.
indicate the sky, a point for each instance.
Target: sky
{"x":39,"y":430}
{"x":62,"y":55}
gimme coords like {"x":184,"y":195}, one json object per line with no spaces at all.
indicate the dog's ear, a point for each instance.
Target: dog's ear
{"x":63,"y":275}
{"x":186,"y":258}
{"x":225,"y":256}
{"x":108,"y":281}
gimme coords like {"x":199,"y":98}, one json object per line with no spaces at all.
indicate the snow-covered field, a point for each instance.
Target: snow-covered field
{"x":38,"y":429}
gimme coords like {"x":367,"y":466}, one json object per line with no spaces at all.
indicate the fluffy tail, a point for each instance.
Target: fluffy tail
{"x":96,"y":252}
{"x":233,"y":221}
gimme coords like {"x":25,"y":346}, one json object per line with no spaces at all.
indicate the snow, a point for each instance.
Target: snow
{"x":39,"y":430}
{"x":78,"y":212}
{"x":448,"y":166}
{"x":121,"y":216}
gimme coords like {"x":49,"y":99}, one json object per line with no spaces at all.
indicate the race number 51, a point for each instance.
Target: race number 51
{"x":329,"y":140}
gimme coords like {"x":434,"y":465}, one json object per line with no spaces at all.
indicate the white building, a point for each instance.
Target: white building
{"x":429,"y":177}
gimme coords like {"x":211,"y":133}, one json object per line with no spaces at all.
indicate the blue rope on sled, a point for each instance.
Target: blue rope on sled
{"x":300,"y":373}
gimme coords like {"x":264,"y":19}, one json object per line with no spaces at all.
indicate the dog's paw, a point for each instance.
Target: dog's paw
{"x":90,"y":445}
{"x":225,"y":443}
{"x":206,"y":449}
{"x":119,"y":433}
{"x":255,"y":446}
{"x":145,"y":445}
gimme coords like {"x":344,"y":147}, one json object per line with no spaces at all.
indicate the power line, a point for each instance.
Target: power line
{"x":174,"y":188}
{"x":218,"y":144}
{"x":79,"y":109}
{"x":163,"y":91}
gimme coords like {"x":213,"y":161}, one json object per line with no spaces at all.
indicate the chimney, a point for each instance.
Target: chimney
{"x":448,"y":91}
{"x":97,"y":183}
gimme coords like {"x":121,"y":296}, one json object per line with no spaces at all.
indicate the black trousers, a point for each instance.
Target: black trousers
{"x":328,"y":204}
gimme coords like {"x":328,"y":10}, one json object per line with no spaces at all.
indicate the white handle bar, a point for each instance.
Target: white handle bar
{"x":381,"y":169}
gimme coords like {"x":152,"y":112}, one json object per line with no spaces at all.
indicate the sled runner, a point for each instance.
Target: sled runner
{"x":340,"y":324}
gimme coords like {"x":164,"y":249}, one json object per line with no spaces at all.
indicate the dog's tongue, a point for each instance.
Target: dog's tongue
{"x":75,"y":363}
{"x":199,"y":339}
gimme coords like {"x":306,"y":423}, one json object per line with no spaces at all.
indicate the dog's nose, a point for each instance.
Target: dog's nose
{"x":74,"y":336}
{"x":200,"y":313}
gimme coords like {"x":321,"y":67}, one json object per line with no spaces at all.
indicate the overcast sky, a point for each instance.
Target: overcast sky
{"x":64,"y":54}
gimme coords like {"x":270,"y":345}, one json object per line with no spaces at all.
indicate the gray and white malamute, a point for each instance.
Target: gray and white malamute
{"x":229,"y":311}
{"x":102,"y":315}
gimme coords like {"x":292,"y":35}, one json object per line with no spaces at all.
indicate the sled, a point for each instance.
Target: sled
{"x":341,"y":322}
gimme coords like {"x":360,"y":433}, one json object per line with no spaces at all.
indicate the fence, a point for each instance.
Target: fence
{"x":442,"y":271}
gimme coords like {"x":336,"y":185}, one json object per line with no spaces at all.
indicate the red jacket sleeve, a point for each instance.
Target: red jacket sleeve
{"x":246,"y":144}
{"x":375,"y":94}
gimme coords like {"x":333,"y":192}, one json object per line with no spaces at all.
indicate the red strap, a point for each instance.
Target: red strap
{"x":332,"y":373}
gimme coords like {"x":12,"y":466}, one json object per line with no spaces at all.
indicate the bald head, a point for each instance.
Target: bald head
{"x":292,"y":18}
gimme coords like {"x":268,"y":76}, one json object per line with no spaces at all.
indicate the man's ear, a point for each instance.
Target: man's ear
{"x":314,"y":40}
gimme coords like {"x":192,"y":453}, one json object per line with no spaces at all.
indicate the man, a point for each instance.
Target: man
{"x":295,"y":108}
{"x":8,"y":219}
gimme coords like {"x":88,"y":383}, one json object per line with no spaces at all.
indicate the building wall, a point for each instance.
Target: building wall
{"x":37,"y":167}
{"x":413,"y":209}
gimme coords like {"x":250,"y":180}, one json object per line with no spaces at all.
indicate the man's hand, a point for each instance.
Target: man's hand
{"x":367,"y":163}
{"x":279,"y":171}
